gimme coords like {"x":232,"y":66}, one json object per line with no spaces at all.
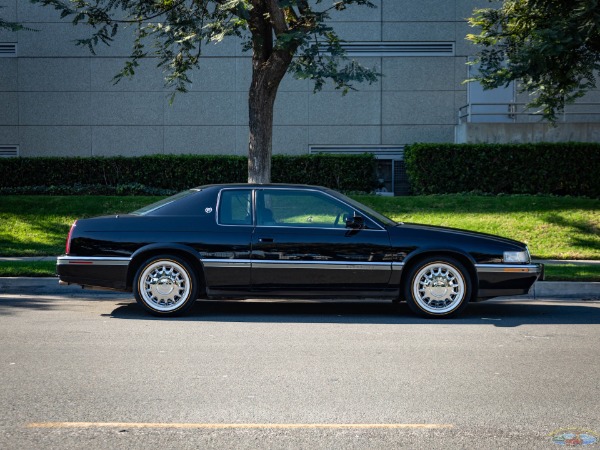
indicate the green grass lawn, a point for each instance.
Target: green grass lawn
{"x":572,"y":272}
{"x":33,"y":225}
{"x":27,"y":268}
{"x":553,"y":227}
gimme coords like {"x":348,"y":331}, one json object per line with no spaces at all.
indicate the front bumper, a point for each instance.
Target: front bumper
{"x":507,"y":279}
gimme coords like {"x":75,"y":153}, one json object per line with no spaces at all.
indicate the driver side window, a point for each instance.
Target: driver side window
{"x":286,"y":207}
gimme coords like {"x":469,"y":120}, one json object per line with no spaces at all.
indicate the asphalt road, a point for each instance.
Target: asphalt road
{"x":82,"y":369}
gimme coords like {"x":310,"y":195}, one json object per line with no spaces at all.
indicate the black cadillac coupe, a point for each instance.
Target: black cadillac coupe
{"x":287,"y":241}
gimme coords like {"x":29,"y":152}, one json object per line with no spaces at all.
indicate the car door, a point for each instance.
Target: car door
{"x":226,"y":256}
{"x":301,"y":245}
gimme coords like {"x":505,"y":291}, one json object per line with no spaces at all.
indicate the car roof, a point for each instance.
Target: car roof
{"x":262,"y":186}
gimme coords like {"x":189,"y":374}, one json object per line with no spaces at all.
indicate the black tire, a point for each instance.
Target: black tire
{"x":166,"y":286}
{"x":437,"y":287}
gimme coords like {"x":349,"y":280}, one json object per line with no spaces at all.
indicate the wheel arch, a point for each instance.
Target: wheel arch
{"x":184,"y":252}
{"x":463,"y":258}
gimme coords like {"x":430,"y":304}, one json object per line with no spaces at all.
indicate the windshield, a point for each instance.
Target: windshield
{"x":383,"y":219}
{"x":165,"y":201}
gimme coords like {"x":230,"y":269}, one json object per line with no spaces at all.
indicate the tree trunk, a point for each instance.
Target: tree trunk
{"x":261,"y":101}
{"x":269,"y":65}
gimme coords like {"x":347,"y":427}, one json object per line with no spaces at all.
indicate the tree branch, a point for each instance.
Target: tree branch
{"x":303,"y":7}
{"x":277,"y":17}
{"x":262,"y":33}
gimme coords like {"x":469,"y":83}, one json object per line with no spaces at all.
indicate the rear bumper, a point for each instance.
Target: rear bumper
{"x":107,"y":272}
{"x":507,"y":279}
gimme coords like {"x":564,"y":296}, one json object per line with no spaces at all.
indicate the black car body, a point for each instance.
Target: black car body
{"x":288,"y":241}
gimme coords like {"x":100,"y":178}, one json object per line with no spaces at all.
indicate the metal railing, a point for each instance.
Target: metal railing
{"x":518,"y":113}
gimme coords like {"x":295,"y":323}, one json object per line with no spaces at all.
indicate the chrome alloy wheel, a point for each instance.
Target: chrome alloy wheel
{"x":164,"y":285}
{"x":438,"y":288}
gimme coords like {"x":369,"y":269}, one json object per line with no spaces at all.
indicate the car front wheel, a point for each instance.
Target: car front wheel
{"x":437,"y":287}
{"x":165,"y":286}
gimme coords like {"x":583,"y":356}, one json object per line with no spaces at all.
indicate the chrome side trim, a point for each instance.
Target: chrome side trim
{"x":397,"y":265}
{"x":93,"y":260}
{"x":263,"y":264}
{"x":296,"y":264}
{"x":229,"y":263}
{"x":508,"y":268}
{"x":323,"y":265}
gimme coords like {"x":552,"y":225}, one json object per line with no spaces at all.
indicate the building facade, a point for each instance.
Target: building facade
{"x":56,"y":99}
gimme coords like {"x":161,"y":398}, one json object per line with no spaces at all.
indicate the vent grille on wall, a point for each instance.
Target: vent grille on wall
{"x":397,"y":48}
{"x":7,"y":151}
{"x":380,"y":151}
{"x":390,"y":168}
{"x":8,"y":50}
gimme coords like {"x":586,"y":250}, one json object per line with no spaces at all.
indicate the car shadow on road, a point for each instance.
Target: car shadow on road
{"x":499,"y":314}
{"x":11,"y":302}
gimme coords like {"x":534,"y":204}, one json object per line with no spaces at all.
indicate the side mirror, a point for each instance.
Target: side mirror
{"x":356,"y":222}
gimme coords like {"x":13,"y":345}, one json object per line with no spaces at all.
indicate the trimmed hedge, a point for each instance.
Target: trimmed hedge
{"x":179,"y":172}
{"x":545,"y":168}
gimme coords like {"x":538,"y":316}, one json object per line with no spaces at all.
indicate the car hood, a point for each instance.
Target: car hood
{"x":458,"y":232}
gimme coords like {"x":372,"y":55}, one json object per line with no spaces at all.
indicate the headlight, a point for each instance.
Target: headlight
{"x":516,"y":257}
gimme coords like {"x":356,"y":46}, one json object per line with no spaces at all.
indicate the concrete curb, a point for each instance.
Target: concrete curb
{"x":23,"y":282}
{"x":28,"y":258}
{"x":541,"y":289}
{"x":576,"y":262}
{"x":562,"y":289}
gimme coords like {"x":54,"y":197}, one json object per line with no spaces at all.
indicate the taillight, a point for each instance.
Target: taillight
{"x":68,"y":246}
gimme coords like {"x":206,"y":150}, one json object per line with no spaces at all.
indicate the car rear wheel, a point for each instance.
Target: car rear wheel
{"x":437,"y":287}
{"x":166,"y":286}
